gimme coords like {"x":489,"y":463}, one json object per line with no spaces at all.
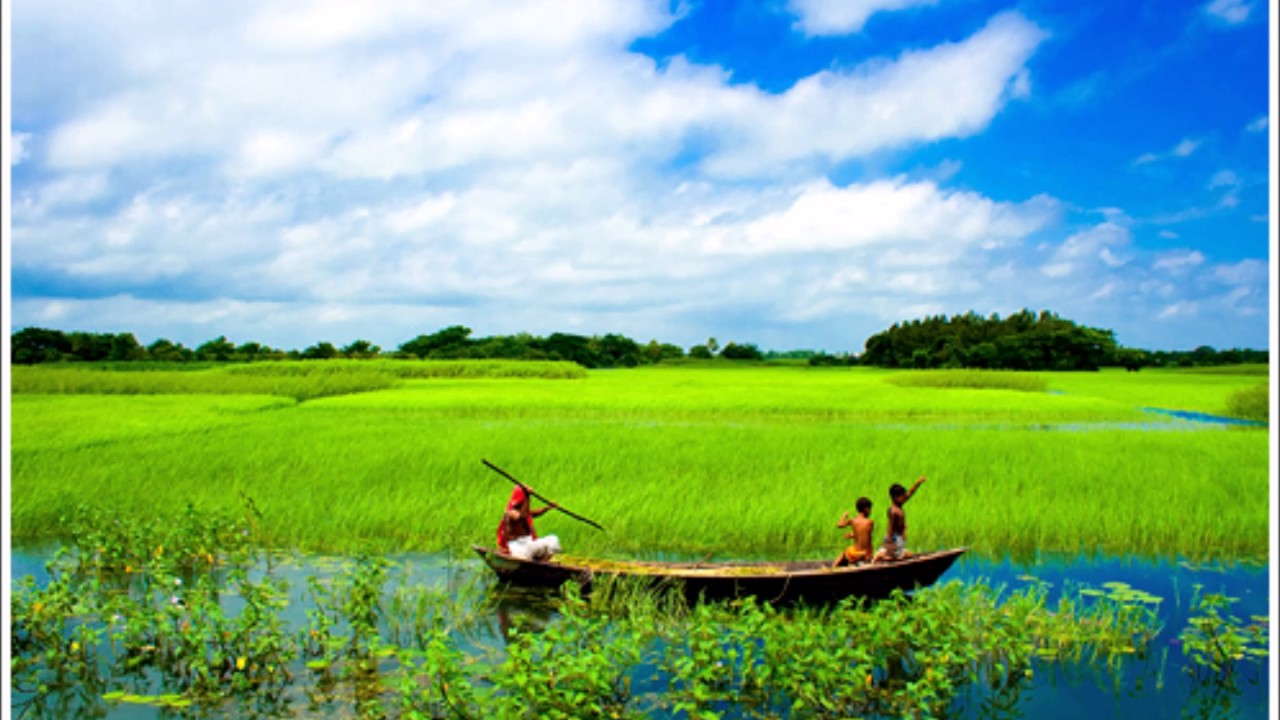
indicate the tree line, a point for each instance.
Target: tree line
{"x":1021,"y":341}
{"x":34,"y":345}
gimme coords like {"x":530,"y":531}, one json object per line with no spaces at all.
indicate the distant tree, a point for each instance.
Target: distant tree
{"x":1204,"y":355}
{"x":700,"y":352}
{"x":573,"y":348}
{"x":321,"y":351}
{"x":250,"y":350}
{"x":361,"y":349}
{"x":218,"y":349}
{"x":125,"y":347}
{"x":164,"y":350}
{"x":653,"y":352}
{"x":671,"y":352}
{"x":734,"y":351}
{"x":712,"y":346}
{"x":617,"y":350}
{"x":91,"y":347}
{"x":822,"y":359}
{"x":1132,"y":359}
{"x":442,"y":342}
{"x":34,"y":345}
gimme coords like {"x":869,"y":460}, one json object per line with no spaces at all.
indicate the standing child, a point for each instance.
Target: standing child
{"x":895,"y":542}
{"x":861,"y":530}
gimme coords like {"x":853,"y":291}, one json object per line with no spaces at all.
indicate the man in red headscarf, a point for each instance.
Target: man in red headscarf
{"x":516,"y":535}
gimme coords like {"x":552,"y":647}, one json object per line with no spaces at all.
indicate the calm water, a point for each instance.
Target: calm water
{"x":1056,"y":691}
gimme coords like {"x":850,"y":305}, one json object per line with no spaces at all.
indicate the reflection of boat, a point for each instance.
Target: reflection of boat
{"x":813,"y":580}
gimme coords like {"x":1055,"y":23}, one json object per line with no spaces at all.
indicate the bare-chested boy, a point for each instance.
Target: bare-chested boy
{"x":861,"y":530}
{"x":895,"y":541}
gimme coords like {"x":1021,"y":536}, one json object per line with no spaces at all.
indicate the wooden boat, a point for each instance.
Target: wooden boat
{"x":776,"y":582}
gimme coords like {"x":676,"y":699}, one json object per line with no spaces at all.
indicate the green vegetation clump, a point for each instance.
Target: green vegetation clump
{"x":1250,"y":403}
{"x":359,"y":640}
{"x":979,"y":379}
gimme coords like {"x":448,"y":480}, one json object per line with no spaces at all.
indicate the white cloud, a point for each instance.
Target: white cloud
{"x":1224,"y":178}
{"x":1179,"y":262}
{"x":1184,"y":148}
{"x":18,"y":147}
{"x":1232,"y":12}
{"x":442,"y":90}
{"x":1168,"y":234}
{"x":890,"y":213}
{"x":840,"y":17}
{"x":1103,"y":292}
{"x":1259,"y":124}
{"x":1079,"y":252}
{"x":1178,"y":310}
{"x":1244,"y":272}
{"x":951,"y":90}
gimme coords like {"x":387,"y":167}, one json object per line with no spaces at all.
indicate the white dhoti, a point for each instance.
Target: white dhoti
{"x":526,"y":548}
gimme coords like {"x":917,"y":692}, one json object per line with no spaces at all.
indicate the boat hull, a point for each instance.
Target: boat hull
{"x":809,"y":581}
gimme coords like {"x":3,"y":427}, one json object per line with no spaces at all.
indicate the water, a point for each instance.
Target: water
{"x":1204,"y":418}
{"x":1057,"y":690}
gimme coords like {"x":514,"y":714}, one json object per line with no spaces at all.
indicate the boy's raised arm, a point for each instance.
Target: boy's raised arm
{"x":913,"y":489}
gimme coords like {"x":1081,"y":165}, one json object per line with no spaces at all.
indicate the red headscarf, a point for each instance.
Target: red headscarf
{"x":517,"y":498}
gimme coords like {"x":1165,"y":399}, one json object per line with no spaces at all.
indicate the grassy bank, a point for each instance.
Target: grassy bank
{"x":740,"y":461}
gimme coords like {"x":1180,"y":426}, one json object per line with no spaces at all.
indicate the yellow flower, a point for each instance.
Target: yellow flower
{"x":240,"y":663}
{"x":75,"y":647}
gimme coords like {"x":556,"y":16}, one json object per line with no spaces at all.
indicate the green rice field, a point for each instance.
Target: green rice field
{"x":739,"y":461}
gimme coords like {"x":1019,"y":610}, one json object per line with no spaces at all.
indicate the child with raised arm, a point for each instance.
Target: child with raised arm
{"x":895,"y":541}
{"x":861,"y":530}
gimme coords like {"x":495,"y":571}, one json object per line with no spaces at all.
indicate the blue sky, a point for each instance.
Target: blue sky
{"x":797,"y":174}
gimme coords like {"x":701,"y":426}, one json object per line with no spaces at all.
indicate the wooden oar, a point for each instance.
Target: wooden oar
{"x":543,"y":498}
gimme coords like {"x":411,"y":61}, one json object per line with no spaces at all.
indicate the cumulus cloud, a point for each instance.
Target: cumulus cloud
{"x":1259,"y":124}
{"x":288,"y":173}
{"x":305,"y":88}
{"x":890,"y":213}
{"x":1231,"y":12}
{"x":951,"y":90}
{"x":840,"y":17}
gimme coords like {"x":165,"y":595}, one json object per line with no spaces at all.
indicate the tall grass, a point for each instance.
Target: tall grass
{"x":1254,"y":369}
{"x":1251,"y":403}
{"x":757,"y":462}
{"x":980,"y":379}
{"x":298,"y":380}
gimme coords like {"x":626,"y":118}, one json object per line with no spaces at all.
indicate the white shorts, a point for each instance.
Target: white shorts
{"x":526,"y":548}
